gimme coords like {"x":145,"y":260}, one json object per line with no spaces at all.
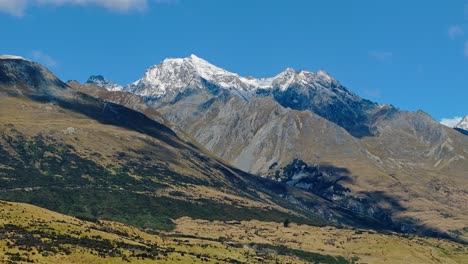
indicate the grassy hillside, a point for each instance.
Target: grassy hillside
{"x":33,"y":234}
{"x":364,"y":246}
{"x":30,"y":234}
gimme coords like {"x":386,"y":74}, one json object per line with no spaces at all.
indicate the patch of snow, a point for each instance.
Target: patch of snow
{"x":11,"y":57}
{"x":324,"y":75}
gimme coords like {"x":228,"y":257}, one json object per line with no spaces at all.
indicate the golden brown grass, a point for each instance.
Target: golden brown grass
{"x":201,"y":241}
{"x":368,"y":246}
{"x":184,"y":250}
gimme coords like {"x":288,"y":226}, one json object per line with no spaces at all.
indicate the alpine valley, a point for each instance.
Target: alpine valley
{"x":195,"y":164}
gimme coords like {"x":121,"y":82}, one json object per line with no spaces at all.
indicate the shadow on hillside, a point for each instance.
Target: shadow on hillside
{"x":388,"y":207}
{"x":113,"y":114}
{"x":367,"y":209}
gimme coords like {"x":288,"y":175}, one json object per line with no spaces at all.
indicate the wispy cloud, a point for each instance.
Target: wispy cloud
{"x":15,"y":7}
{"x":455,"y":31}
{"x":119,"y":5}
{"x":43,"y":58}
{"x":381,"y":55}
{"x":19,"y":7}
{"x":451,"y":122}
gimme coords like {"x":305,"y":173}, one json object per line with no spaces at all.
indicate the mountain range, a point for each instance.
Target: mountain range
{"x":73,"y":153}
{"x":307,"y":130}
{"x":88,"y":152}
{"x":191,"y":139}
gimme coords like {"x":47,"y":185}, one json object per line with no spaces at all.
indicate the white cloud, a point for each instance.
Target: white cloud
{"x":13,"y":7}
{"x":455,"y":31}
{"x":43,"y":58}
{"x":119,"y":5}
{"x":381,"y":55}
{"x":451,"y":122}
{"x":18,"y":7}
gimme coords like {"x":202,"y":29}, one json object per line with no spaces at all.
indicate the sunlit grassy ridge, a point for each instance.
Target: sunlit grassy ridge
{"x":36,"y":235}
{"x":32,"y":234}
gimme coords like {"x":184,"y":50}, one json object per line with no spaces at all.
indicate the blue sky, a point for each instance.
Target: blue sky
{"x":412,"y":54}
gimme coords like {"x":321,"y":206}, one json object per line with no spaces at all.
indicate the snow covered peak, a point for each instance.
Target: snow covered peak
{"x":463,"y":123}
{"x":174,"y":75}
{"x":284,"y":79}
{"x":100,"y":81}
{"x":11,"y":57}
{"x":194,"y":57}
{"x":207,"y":70}
{"x":325,"y":75}
{"x":194,"y":63}
{"x":287,"y":73}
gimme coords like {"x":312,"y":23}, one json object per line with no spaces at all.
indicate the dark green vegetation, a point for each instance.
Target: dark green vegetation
{"x":47,"y":242}
{"x":304,"y":255}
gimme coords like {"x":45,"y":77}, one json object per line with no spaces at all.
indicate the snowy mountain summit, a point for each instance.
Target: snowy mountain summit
{"x":174,"y":75}
{"x":463,"y":124}
{"x":11,"y":57}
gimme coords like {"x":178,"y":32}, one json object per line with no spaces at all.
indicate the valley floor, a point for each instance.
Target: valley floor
{"x":30,"y":234}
